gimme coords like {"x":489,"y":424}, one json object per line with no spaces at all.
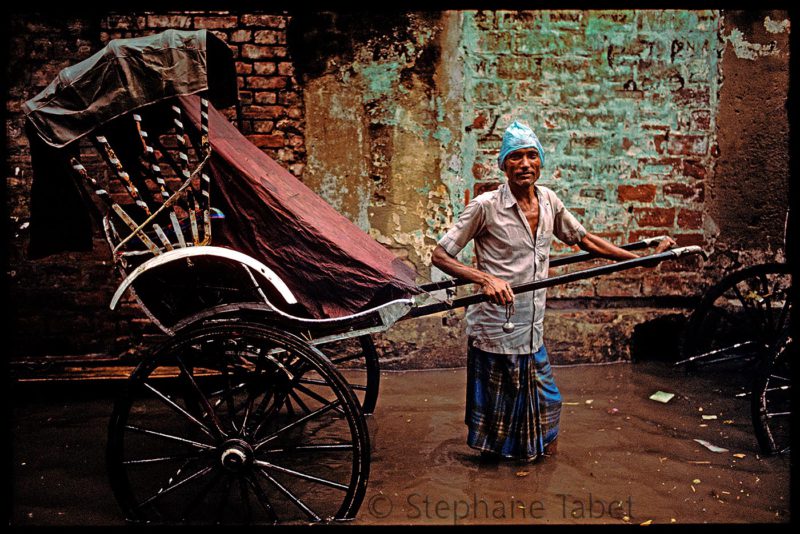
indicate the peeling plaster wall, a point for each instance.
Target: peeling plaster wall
{"x":749,"y":193}
{"x":640,"y":113}
{"x":372,"y":118}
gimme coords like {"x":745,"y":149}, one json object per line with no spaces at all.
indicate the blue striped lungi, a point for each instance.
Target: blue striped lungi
{"x":513,"y":404}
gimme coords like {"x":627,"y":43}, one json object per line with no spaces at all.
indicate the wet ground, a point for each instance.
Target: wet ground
{"x":623,"y":458}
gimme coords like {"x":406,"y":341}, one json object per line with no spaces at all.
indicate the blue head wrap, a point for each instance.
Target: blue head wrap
{"x":518,"y":136}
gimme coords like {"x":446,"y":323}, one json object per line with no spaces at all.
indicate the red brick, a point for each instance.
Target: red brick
{"x":263,"y":82}
{"x":265,"y":97}
{"x":262,"y":112}
{"x":701,"y":119}
{"x":252,"y":51}
{"x":287,"y":124}
{"x":169,"y":21}
{"x":269,"y":37}
{"x":638,"y":235}
{"x":660,"y":217}
{"x":243,"y":68}
{"x":694,"y":169}
{"x":687,"y":145}
{"x":266,"y":68}
{"x":690,"y":219}
{"x":688,"y":96}
{"x":289,"y":98}
{"x":267,"y":140}
{"x":650,"y":126}
{"x":286,"y":68}
{"x":219,"y":22}
{"x":268,"y":21}
{"x":263,"y":126}
{"x":479,"y":122}
{"x":241,"y":36}
{"x":636,"y":193}
{"x":686,"y":191}
{"x":479,"y":171}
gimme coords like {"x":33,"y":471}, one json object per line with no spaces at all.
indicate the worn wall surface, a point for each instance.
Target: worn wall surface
{"x":749,"y":189}
{"x":641,"y":114}
{"x":654,"y":122}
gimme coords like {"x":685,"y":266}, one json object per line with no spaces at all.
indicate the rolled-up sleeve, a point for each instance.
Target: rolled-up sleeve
{"x":565,"y":226}
{"x":469,"y":224}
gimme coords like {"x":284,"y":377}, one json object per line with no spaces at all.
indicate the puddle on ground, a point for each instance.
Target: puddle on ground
{"x":623,"y":458}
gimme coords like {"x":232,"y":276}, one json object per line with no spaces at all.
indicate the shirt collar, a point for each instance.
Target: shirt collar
{"x":508,"y":198}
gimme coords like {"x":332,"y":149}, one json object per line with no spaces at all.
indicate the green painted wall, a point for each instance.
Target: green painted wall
{"x":628,"y":105}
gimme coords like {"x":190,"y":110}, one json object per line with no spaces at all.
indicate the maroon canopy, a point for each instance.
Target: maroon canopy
{"x":333,"y":267}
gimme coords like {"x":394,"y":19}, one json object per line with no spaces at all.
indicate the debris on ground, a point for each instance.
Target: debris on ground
{"x":662,"y":396}
{"x":710,"y":446}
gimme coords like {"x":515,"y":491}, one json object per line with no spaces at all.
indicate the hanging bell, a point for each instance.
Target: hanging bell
{"x":508,"y":326}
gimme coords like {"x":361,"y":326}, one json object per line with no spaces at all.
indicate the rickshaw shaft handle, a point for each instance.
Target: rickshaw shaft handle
{"x":555,"y":262}
{"x":643,"y":261}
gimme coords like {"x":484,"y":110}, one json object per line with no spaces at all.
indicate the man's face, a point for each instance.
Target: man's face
{"x":522,"y":167}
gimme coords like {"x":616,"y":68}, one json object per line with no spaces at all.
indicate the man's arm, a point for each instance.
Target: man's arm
{"x":597,"y":245}
{"x":498,"y":290}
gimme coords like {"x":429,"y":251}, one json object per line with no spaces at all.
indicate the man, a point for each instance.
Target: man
{"x":513,"y":404}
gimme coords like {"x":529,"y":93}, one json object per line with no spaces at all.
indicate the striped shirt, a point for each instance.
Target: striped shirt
{"x":506,"y":248}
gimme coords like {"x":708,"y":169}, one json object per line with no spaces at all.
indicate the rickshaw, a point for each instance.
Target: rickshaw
{"x":242,"y":414}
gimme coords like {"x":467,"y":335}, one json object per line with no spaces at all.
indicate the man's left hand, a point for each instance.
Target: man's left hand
{"x":665,"y":244}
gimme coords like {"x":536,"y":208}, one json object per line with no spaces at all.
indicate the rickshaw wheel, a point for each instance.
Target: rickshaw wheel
{"x":359,"y":355}
{"x":237,"y":423}
{"x":739,"y":317}
{"x":771,"y":398}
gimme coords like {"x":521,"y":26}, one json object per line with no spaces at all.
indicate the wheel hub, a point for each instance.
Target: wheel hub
{"x":236,"y":455}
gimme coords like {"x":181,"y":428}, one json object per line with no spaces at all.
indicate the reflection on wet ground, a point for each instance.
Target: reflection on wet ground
{"x":623,"y":458}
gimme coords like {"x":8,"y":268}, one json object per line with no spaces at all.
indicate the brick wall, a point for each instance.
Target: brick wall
{"x":60,"y":303}
{"x":624,"y":103}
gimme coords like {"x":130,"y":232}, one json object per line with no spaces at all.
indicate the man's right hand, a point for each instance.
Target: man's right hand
{"x":498,"y":290}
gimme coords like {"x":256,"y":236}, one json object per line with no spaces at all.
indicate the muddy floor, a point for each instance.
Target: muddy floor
{"x":623,"y":458}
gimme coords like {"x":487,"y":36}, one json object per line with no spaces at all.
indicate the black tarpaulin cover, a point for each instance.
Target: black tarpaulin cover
{"x":128,"y":74}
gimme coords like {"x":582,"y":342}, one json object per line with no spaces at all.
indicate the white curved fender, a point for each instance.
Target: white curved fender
{"x":188,"y":252}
